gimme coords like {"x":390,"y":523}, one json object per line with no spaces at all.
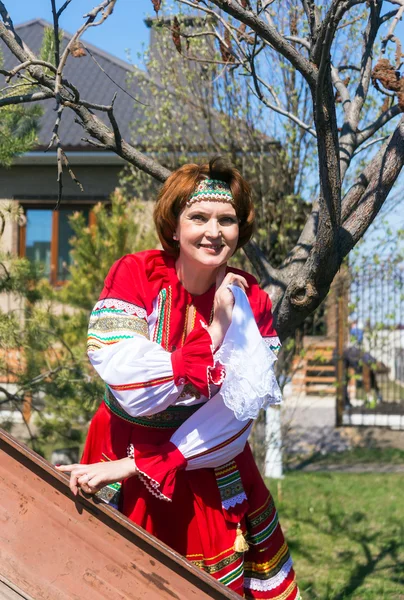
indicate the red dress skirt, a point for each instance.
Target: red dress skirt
{"x":195,"y":523}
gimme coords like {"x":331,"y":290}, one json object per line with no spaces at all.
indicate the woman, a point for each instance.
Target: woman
{"x":178,"y":338}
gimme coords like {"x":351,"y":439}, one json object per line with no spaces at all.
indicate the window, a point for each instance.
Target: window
{"x":45,"y":238}
{"x":38,"y":234}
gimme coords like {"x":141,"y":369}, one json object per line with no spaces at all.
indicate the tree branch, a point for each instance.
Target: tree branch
{"x":56,"y":15}
{"x":63,"y":7}
{"x":384,"y":118}
{"x":365,"y":198}
{"x":309,"y":285}
{"x":311,"y":15}
{"x":390,"y":34}
{"x":388,"y":16}
{"x":115,"y":128}
{"x":366,"y":64}
{"x":94,"y":126}
{"x":266,"y":272}
{"x":271,"y":35}
{"x":5,"y":15}
{"x":106,"y":7}
{"x":55,"y":132}
{"x":24,"y":65}
{"x":371,"y":143}
{"x":342,"y":90}
{"x":299,"y":40}
{"x":110,"y":78}
{"x":34,"y":97}
{"x":276,"y":107}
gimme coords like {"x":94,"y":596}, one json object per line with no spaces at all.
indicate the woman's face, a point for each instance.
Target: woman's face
{"x":207,"y":233}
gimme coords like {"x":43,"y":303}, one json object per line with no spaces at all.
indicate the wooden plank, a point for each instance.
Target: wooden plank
{"x":328,"y":368}
{"x":320,"y":379}
{"x":57,"y":547}
{"x":326,"y":356}
{"x":8,"y":591}
{"x":324,"y":391}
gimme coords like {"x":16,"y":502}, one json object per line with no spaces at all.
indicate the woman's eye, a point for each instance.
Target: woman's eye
{"x":228,"y":220}
{"x":198,"y":218}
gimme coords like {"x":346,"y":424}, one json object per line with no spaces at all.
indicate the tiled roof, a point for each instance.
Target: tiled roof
{"x":93,"y":84}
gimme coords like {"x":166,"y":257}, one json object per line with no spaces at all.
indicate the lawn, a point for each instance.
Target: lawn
{"x":345,"y":532}
{"x":380,"y":457}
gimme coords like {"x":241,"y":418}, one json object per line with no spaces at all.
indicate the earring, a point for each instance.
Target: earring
{"x":174,"y":237}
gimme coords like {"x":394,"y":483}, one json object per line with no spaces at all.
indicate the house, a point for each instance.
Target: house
{"x":31,"y":181}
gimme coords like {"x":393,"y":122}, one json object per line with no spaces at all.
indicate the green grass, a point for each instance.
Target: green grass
{"x":355,"y":456}
{"x":345,"y":532}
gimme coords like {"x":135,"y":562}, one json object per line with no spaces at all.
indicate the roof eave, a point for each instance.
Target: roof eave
{"x":77,"y":158}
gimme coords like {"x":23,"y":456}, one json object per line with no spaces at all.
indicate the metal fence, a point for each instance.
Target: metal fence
{"x":370,"y":368}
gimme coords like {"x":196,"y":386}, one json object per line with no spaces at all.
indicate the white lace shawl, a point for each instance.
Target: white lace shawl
{"x":250,"y":383}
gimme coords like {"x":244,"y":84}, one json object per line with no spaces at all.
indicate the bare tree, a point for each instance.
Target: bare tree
{"x":247,"y":32}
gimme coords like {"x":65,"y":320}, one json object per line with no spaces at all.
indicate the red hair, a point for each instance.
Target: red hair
{"x":178,"y":188}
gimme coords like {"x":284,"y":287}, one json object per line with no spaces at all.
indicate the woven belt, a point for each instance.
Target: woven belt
{"x":171,"y":418}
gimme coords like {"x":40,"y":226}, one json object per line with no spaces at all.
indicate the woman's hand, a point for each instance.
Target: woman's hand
{"x":91,"y":478}
{"x":223,"y":304}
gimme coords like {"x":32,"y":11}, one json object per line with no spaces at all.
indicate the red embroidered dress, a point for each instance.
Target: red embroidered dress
{"x":198,"y":481}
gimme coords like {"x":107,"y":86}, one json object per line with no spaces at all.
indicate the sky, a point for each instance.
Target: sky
{"x":123,"y":31}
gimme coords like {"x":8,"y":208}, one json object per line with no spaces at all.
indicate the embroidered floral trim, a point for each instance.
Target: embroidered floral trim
{"x":273,"y":343}
{"x":130,"y":309}
{"x":110,"y":494}
{"x":264,"y":585}
{"x":231,"y":502}
{"x":230,"y":485}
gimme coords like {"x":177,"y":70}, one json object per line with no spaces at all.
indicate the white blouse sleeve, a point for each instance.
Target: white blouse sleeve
{"x":137,"y":371}
{"x":143,"y":377}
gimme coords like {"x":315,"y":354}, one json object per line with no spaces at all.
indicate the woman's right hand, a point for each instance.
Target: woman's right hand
{"x":223,"y":304}
{"x":91,"y":478}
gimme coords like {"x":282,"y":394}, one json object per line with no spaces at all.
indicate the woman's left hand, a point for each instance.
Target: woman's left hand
{"x":223,"y":304}
{"x":91,"y":478}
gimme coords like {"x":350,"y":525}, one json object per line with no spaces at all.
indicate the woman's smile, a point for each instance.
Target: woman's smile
{"x":211,"y":247}
{"x":207,"y":233}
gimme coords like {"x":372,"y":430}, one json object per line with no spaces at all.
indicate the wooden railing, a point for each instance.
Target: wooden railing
{"x":57,"y":547}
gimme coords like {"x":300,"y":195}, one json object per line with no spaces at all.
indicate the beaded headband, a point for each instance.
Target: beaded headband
{"x":211,"y":190}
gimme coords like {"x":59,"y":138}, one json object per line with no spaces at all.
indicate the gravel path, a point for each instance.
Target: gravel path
{"x":308,"y":424}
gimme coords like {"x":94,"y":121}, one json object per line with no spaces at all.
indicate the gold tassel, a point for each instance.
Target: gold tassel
{"x":240,"y":543}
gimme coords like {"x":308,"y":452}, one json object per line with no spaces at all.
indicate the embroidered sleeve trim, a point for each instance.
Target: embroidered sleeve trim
{"x":214,"y":375}
{"x":151,"y":484}
{"x":127,"y":307}
{"x":141,"y":384}
{"x":223,"y":444}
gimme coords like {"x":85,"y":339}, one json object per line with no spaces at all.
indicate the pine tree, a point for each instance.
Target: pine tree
{"x":42,"y":341}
